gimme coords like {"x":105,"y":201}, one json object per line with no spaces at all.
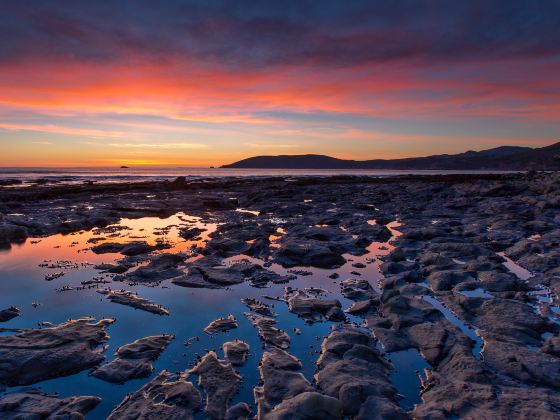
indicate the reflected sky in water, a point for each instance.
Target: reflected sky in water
{"x":22,"y":284}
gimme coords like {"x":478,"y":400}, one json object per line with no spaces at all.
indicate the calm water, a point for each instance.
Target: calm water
{"x":112,"y":174}
{"x":22,"y":282}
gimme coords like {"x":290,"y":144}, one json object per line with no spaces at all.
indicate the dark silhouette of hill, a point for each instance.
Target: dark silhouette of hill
{"x":499,"y":158}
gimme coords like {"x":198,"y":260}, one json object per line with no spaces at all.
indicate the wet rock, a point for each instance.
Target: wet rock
{"x":210,"y":272}
{"x":357,"y":289}
{"x":495,"y":281}
{"x":34,"y":404}
{"x":258,"y":307}
{"x":9,"y":313}
{"x":313,"y":309}
{"x":522,"y":363}
{"x":239,"y":411}
{"x":360,"y":307}
{"x":161,"y":267}
{"x":236,"y":352}
{"x":447,"y":279}
{"x":281,"y":380}
{"x":190,"y":233}
{"x":219,"y":382}
{"x":167,"y":396}
{"x":268,"y":332}
{"x":552,"y":345}
{"x":352,"y":371}
{"x":221,"y":325}
{"x":10,"y":233}
{"x":33,"y":355}
{"x":112,"y":268}
{"x":444,"y":397}
{"x":501,"y":319}
{"x":307,"y":405}
{"x":130,"y":298}
{"x":296,"y":252}
{"x":128,"y":249}
{"x":133,"y":360}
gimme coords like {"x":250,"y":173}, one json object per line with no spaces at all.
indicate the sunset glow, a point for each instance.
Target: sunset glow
{"x":97,"y":83}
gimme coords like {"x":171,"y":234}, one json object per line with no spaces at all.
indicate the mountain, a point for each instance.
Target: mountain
{"x":500,"y":158}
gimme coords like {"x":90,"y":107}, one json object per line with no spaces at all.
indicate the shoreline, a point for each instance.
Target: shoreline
{"x":456,"y":275}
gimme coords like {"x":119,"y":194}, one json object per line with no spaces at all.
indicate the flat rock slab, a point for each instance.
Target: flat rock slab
{"x":357,"y":289}
{"x":313,"y":309}
{"x":268,"y":332}
{"x":307,"y":405}
{"x":236,"y":352}
{"x":221,"y":325}
{"x":211,"y":272}
{"x":33,"y":355}
{"x":281,"y":380}
{"x":352,"y":371}
{"x":239,"y":411}
{"x":129,"y":249}
{"x":130,"y":298}
{"x":167,"y":396}
{"x":34,"y":404}
{"x":9,"y":313}
{"x":258,"y":307}
{"x":133,"y":360}
{"x":219,"y":382}
{"x":161,"y":267}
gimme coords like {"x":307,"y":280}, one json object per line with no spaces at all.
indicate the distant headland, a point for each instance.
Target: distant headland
{"x":499,"y":158}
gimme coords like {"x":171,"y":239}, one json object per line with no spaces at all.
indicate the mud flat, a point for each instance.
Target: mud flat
{"x":408,"y":297}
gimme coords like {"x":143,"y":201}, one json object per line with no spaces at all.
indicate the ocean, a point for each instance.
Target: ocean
{"x":138,"y":174}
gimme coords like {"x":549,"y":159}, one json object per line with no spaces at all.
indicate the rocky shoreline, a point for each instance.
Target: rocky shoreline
{"x":471,"y":281}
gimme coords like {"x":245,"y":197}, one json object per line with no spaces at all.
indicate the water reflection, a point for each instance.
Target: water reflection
{"x":25,"y":268}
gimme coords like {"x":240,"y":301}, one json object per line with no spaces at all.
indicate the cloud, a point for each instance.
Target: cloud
{"x":246,"y":34}
{"x":272,"y":146}
{"x":158,"y":145}
{"x":57,"y":129}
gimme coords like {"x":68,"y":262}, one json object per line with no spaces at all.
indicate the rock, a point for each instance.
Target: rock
{"x":133,"y":360}
{"x":357,"y":289}
{"x":236,"y":352}
{"x":167,"y":396}
{"x":112,"y":268}
{"x":360,"y":307}
{"x":268,"y":332}
{"x":307,"y":405}
{"x":33,"y":355}
{"x":522,"y":363}
{"x":258,"y":307}
{"x":128,"y":249}
{"x":296,"y":252}
{"x":352,"y":371}
{"x":552,"y":345}
{"x":9,"y":313}
{"x":281,"y":380}
{"x":221,"y":325}
{"x":161,"y":267}
{"x":447,"y":279}
{"x":10,"y":233}
{"x":190,"y":233}
{"x":130,"y":298}
{"x":211,"y":273}
{"x":34,"y":404}
{"x":313,"y":309}
{"x":219,"y":381}
{"x":239,"y":411}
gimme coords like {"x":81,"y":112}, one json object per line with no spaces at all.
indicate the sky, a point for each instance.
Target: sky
{"x":209,"y":82}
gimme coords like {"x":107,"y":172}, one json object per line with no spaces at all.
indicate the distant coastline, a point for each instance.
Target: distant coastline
{"x":513,"y":158}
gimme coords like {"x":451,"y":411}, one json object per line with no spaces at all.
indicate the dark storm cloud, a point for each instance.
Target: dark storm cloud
{"x":261,"y":34}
